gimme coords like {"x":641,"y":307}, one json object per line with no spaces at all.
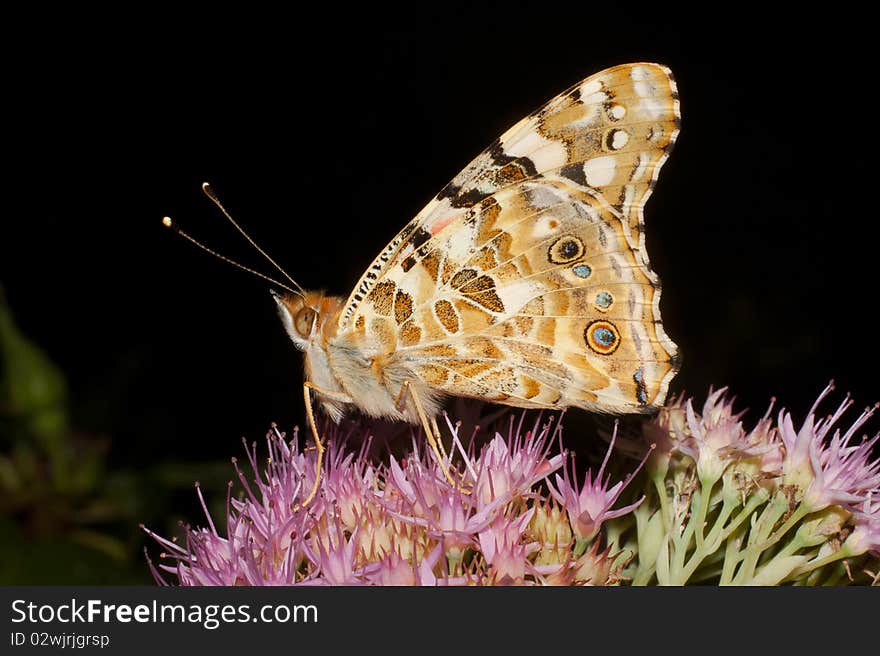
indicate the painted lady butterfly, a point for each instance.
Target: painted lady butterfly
{"x":525,"y":281}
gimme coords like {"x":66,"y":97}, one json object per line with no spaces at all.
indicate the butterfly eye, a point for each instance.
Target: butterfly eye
{"x":304,"y":321}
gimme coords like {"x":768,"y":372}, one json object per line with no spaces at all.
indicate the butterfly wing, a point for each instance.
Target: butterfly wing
{"x":526,"y":279}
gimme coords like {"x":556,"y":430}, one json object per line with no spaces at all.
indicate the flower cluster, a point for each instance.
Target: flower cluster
{"x":709,"y":502}
{"x":403,"y":523}
{"x":765,"y":506}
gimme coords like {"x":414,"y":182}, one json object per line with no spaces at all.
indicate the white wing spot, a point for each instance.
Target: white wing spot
{"x":653,"y":107}
{"x":589,"y":88}
{"x":459,"y":243}
{"x":545,"y":153}
{"x":619,"y":139}
{"x":595,"y":98}
{"x":516,"y":294}
{"x":544,"y":227}
{"x":639,"y":73}
{"x":550,"y":157}
{"x":599,"y":171}
{"x":617,"y":111}
{"x":644,"y":88}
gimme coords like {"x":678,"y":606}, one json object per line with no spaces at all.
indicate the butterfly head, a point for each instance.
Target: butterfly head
{"x":309,"y":319}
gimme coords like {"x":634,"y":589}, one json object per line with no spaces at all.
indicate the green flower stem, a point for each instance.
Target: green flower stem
{"x":811,"y":579}
{"x":802,"y":539}
{"x":708,"y":572}
{"x":748,"y":510}
{"x":677,"y":568}
{"x":799,"y":513}
{"x":789,"y":548}
{"x":758,"y":538}
{"x":643,"y":575}
{"x":713,"y":540}
{"x":682,"y":543}
{"x":614,"y":530}
{"x":659,"y":479}
{"x":816,"y":563}
{"x":651,"y":533}
{"x":732,"y":554}
{"x":838,"y":573}
{"x":662,"y":567}
{"x":699,"y":521}
{"x":694,"y":530}
{"x":705,"y":549}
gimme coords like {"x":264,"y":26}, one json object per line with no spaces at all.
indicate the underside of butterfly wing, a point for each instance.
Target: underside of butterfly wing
{"x":526,"y":280}
{"x":535,"y":299}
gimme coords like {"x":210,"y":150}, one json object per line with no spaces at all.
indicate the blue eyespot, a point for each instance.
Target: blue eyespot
{"x":604,"y":300}
{"x":582,"y":271}
{"x":603,"y":337}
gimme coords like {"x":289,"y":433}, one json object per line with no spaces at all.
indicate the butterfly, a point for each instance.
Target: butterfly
{"x":524,"y":282}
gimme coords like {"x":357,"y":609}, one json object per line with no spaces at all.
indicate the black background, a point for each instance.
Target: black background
{"x":324,"y":134}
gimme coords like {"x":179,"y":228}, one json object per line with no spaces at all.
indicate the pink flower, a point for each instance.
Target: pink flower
{"x":504,"y":548}
{"x":866,"y":534}
{"x":509,"y":467}
{"x":717,"y":437}
{"x":590,"y":506}
{"x":829,"y":471}
{"x":349,"y":480}
{"x":263,"y":532}
{"x":428,"y":500}
{"x":402,"y":522}
{"x":394,"y":569}
{"x":334,"y":554}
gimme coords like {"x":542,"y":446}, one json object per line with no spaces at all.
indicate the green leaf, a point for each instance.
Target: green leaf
{"x":33,"y":392}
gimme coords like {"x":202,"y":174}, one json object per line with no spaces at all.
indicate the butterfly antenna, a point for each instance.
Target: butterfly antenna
{"x":209,"y":192}
{"x":168,"y":223}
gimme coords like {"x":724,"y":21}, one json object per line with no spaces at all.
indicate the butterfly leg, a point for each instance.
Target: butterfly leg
{"x":435,"y":430}
{"x":310,"y":414}
{"x":432,"y":431}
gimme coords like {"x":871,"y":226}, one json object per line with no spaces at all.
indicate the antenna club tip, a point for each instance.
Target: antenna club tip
{"x":208,"y":190}
{"x":167,"y":222}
